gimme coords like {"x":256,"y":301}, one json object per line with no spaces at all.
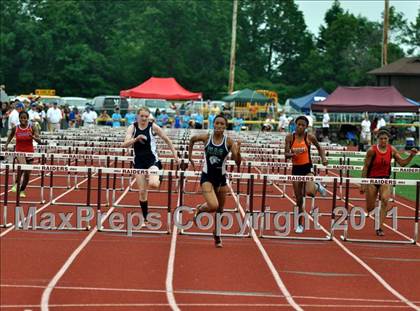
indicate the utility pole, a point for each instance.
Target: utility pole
{"x":384,"y":58}
{"x":233,"y":48}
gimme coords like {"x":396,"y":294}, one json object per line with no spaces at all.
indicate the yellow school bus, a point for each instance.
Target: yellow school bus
{"x":274,"y":96}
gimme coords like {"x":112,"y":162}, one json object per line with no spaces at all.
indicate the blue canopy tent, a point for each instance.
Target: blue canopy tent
{"x":412,"y":101}
{"x":304,"y":103}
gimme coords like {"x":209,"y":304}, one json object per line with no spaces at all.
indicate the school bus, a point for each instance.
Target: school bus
{"x":46,"y":96}
{"x":274,"y":96}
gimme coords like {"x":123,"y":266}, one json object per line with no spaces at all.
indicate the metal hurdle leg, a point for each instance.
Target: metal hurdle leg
{"x":5,"y":224}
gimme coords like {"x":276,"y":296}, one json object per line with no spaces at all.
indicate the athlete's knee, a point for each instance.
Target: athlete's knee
{"x":299,"y":200}
{"x":212,"y":206}
{"x":143,"y":195}
{"x":154,"y":184}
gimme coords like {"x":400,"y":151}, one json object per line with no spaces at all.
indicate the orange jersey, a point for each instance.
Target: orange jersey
{"x":301,"y":149}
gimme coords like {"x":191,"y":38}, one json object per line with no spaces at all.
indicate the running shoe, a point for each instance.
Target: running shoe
{"x":299,"y":229}
{"x":22,"y":194}
{"x":380,"y":232}
{"x":218,"y":241}
{"x":321,"y":189}
{"x":14,"y":188}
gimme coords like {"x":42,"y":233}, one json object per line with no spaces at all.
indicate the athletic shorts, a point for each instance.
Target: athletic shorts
{"x":302,"y":170}
{"x":216,"y":180}
{"x":144,"y":165}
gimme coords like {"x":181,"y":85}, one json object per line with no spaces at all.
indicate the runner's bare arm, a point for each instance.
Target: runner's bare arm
{"x":157,"y":129}
{"x":129,"y":140}
{"x":400,"y":160}
{"x":9,"y":139}
{"x":35,"y":135}
{"x":203,"y":138}
{"x":235,"y":148}
{"x":287,"y":147}
{"x":320,"y":149}
{"x":368,"y":160}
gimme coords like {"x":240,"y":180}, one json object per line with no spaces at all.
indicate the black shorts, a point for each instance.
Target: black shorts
{"x":302,"y":170}
{"x":144,"y":165}
{"x":217,"y":180}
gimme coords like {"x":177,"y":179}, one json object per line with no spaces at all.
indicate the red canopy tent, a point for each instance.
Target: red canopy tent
{"x":365,"y":99}
{"x":162,"y":88}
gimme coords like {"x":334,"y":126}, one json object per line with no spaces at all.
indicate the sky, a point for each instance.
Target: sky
{"x":314,"y":10}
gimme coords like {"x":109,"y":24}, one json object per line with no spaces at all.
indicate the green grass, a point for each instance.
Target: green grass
{"x":408,"y":192}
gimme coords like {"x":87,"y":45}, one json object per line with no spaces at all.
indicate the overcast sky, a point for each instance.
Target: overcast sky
{"x":314,"y":10}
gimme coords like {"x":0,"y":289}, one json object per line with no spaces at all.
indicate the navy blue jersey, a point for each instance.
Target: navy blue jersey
{"x":145,"y":150}
{"x":215,"y":156}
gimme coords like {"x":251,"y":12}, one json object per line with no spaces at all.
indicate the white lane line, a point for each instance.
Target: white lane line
{"x":47,"y":291}
{"x":171,"y":264}
{"x":201,"y":292}
{"x":267,"y":259}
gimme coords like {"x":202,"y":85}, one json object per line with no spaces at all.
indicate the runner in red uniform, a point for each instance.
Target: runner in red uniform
{"x":25,"y":135}
{"x":378,"y":165}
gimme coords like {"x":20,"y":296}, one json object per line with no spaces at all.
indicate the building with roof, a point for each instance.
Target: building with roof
{"x":403,"y":74}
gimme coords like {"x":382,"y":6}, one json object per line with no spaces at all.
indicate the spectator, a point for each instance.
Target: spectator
{"x":381,"y":123}
{"x":43,"y":115}
{"x":14,"y":116}
{"x":186,"y":119}
{"x":177,"y":120}
{"x":325,"y":125}
{"x":89,"y":117}
{"x":373,"y":125}
{"x":283,"y":122}
{"x":116,"y":118}
{"x":238,"y":122}
{"x":254,"y":111}
{"x":182,"y":109}
{"x":199,"y":120}
{"x":210,"y":120}
{"x":72,"y":117}
{"x":103,"y":118}
{"x":215,"y":109}
{"x":206,"y":109}
{"x":54,"y":117}
{"x":311,"y":120}
{"x":130,"y":117}
{"x":4,"y":118}
{"x":162,"y":119}
{"x":268,"y":124}
{"x":157,"y":113}
{"x":34,"y":117}
{"x":365,"y":133}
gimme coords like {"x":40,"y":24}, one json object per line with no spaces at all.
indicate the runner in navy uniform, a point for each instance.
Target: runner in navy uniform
{"x":141,"y":135}
{"x":213,"y":177}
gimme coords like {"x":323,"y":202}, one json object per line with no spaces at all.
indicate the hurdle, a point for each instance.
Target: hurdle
{"x":413,"y":240}
{"x":139,"y":230}
{"x":161,"y":174}
{"x":38,"y":227}
{"x":267,"y":212}
{"x":219,"y":215}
